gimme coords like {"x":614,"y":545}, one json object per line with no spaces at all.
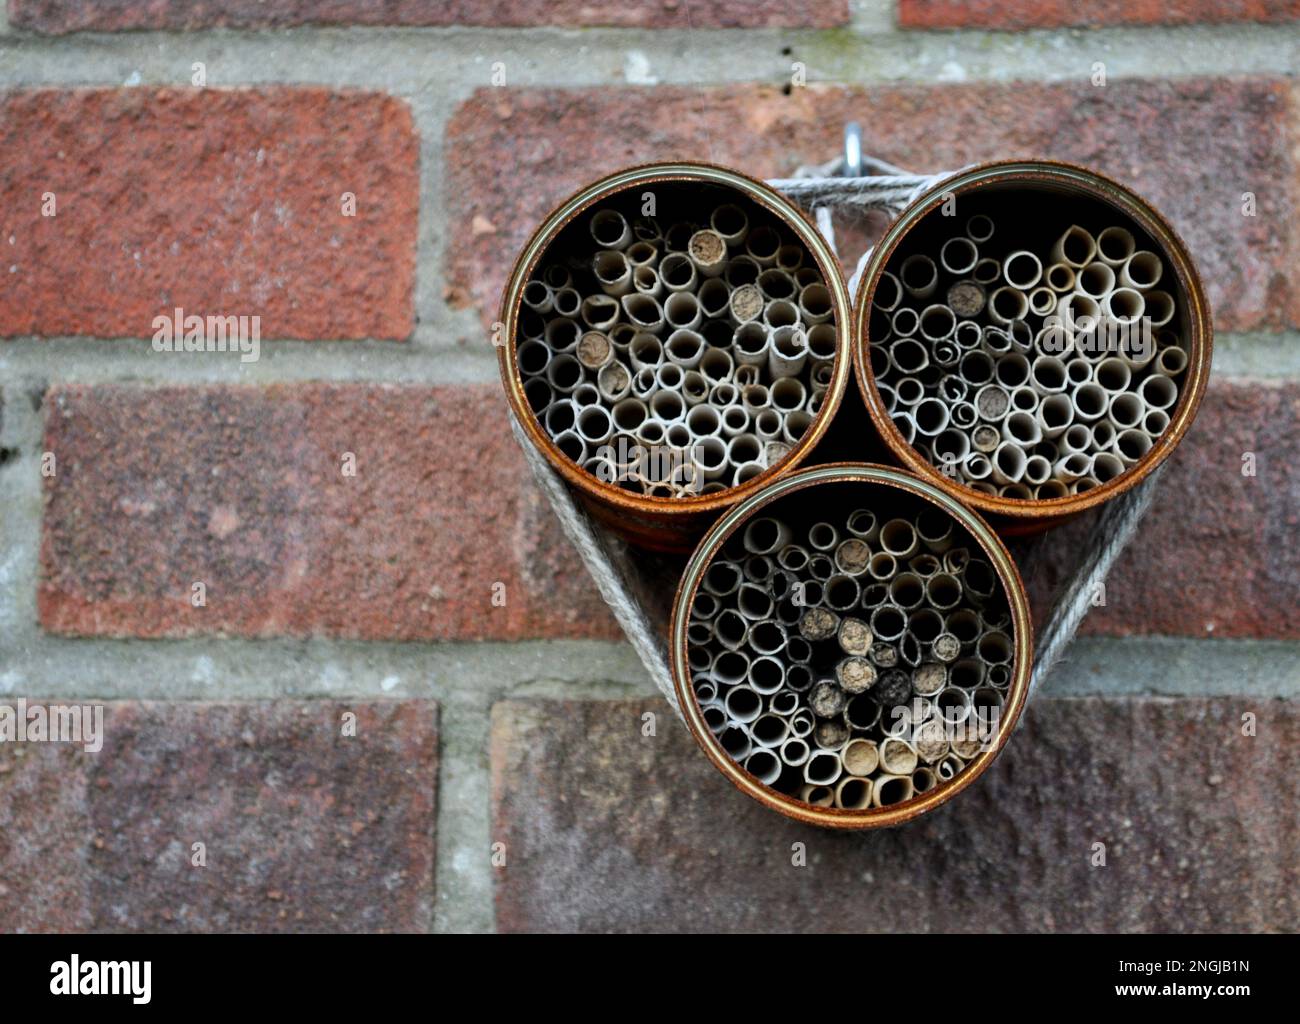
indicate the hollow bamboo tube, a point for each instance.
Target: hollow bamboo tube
{"x":1022,"y":270}
{"x":853,"y":794}
{"x":823,"y":768}
{"x":920,"y":277}
{"x":860,"y":757}
{"x":949,"y":767}
{"x":892,"y":789}
{"x":764,"y":765}
{"x":795,"y":752}
{"x":1075,"y":247}
{"x":959,"y":255}
{"x":831,"y":734}
{"x":1115,"y":245}
{"x":610,"y":230}
{"x":897,"y":756}
{"x":1141,"y":270}
{"x":787,"y":352}
{"x":817,"y":796}
{"x":979,"y":228}
{"x":930,"y":741}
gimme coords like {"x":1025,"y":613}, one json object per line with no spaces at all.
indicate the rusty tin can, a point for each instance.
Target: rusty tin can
{"x":840,"y":485}
{"x":1072,"y":188}
{"x":670,"y":524}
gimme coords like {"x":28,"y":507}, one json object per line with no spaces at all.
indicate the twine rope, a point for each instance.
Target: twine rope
{"x":1114,"y":528}
{"x":606,"y":555}
{"x":603,"y":553}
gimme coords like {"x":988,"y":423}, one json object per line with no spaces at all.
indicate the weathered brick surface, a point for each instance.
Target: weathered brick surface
{"x":410,"y":548}
{"x":221,"y":202}
{"x":607,"y":830}
{"x":1217,"y":553}
{"x":44,"y":832}
{"x":505,"y":147}
{"x":1021,"y":14}
{"x":74,"y":15}
{"x":243,"y":489}
{"x":304,"y":829}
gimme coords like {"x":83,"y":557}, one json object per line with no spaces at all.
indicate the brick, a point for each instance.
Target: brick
{"x":504,"y":158}
{"x":607,"y":830}
{"x":304,"y":829}
{"x":44,"y":824}
{"x":221,"y":202}
{"x":242,"y":488}
{"x":1216,"y":554}
{"x":59,"y":16}
{"x":1022,"y":14}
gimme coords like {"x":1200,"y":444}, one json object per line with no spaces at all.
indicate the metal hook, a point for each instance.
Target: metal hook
{"x":853,"y":150}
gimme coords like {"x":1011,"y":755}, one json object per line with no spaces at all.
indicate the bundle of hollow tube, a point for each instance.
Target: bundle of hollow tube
{"x":1032,"y":367}
{"x":710,"y":336}
{"x":853,"y":661}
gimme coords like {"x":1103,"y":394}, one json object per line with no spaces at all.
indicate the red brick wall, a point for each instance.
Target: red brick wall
{"x":353,"y":502}
{"x":1023,"y":14}
{"x":61,"y":16}
{"x":255,"y":214}
{"x":58,"y":16}
{"x":229,"y":199}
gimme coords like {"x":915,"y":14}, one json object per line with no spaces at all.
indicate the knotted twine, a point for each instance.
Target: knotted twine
{"x":608,"y":559}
